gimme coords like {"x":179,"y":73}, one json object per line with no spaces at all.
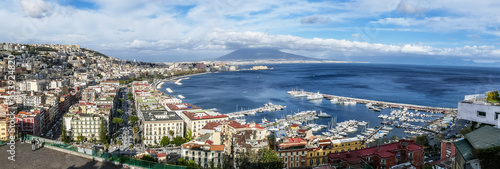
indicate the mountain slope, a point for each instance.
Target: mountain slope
{"x":249,"y":54}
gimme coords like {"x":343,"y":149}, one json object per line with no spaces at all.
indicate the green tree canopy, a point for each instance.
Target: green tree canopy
{"x":133,"y":119}
{"x":265,"y":158}
{"x":188,"y":135}
{"x":164,"y":141}
{"x":422,"y":140}
{"x":118,"y":121}
{"x":119,"y":111}
{"x":103,"y":136}
{"x":178,"y":141}
{"x":64,"y":135}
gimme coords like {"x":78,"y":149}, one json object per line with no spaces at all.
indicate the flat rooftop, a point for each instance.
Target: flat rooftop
{"x":163,"y":115}
{"x":46,"y":158}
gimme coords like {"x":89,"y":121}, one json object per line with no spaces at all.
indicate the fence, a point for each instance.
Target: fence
{"x":107,"y":156}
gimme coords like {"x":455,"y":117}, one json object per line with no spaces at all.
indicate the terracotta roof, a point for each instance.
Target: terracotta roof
{"x":217,"y":148}
{"x":182,"y":106}
{"x":384,"y":151}
{"x":254,"y":126}
{"x":159,"y":155}
{"x":295,"y":125}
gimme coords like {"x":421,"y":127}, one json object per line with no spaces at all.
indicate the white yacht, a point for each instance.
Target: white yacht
{"x":315,"y":96}
{"x":323,"y":115}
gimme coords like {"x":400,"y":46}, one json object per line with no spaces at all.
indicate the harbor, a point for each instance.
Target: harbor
{"x":381,"y":104}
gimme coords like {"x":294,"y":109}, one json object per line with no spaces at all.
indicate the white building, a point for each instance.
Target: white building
{"x":158,"y":123}
{"x":203,"y":153}
{"x":478,"y":110}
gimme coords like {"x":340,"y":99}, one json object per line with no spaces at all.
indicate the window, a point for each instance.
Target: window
{"x":481,"y":113}
{"x":496,"y":115}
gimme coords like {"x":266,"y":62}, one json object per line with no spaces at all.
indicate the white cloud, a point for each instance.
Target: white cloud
{"x":209,"y":29}
{"x":36,"y":8}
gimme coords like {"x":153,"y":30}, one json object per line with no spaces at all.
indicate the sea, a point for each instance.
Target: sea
{"x":437,"y":86}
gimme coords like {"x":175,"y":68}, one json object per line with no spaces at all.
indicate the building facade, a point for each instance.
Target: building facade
{"x":157,"y":124}
{"x":318,"y":156}
{"x":380,"y":157}
{"x":478,"y":110}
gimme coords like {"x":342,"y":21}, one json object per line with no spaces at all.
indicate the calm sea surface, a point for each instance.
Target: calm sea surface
{"x":439,"y":86}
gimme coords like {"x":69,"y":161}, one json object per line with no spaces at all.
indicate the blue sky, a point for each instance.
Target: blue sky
{"x":201,"y":30}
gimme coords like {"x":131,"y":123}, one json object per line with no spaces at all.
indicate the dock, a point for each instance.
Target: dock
{"x":390,"y":104}
{"x":267,"y":108}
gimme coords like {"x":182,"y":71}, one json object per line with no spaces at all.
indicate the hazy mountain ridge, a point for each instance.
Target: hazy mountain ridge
{"x":251,"y":54}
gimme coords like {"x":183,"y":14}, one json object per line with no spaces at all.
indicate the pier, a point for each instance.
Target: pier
{"x":267,"y":107}
{"x":390,"y":104}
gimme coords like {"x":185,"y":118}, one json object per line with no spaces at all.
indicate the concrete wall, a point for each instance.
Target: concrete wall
{"x":468,"y":111}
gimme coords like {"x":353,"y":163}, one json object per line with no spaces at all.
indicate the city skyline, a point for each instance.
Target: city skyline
{"x":197,"y":30}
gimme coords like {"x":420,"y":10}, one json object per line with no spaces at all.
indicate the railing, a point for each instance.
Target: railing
{"x":106,"y":156}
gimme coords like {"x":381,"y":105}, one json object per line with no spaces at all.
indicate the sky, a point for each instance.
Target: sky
{"x":177,"y":30}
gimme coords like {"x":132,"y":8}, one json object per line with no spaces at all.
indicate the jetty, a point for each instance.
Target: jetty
{"x":388,"y":104}
{"x":267,"y":108}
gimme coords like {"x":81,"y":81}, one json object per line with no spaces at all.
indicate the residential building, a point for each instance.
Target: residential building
{"x":382,"y":157}
{"x":203,"y":153}
{"x":482,"y":138}
{"x":158,"y":123}
{"x":196,"y":120}
{"x":447,"y":148}
{"x":293,"y":152}
{"x":29,"y":122}
{"x":318,"y":155}
{"x":476,"y":108}
{"x":4,"y":128}
{"x":82,"y":124}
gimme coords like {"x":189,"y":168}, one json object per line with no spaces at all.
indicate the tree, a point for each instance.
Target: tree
{"x":80,"y":138}
{"x":465,"y":130}
{"x":171,"y":133}
{"x":385,"y":140}
{"x":121,"y":100}
{"x":64,"y":135}
{"x":148,"y":158}
{"x":394,"y":138}
{"x":178,"y":141}
{"x":164,"y":141}
{"x":118,"y":121}
{"x":422,"y":140}
{"x":493,"y":95}
{"x":133,"y":119}
{"x":119,"y":143}
{"x":103,"y":135}
{"x":119,"y":111}
{"x":131,"y":146}
{"x":188,"y":135}
{"x":489,"y":157}
{"x":135,"y":130}
{"x":264,"y":158}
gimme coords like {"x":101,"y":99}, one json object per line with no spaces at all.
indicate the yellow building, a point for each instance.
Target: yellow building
{"x":4,"y":128}
{"x":318,"y":155}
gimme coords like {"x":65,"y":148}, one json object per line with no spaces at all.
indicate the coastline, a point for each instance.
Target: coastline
{"x":286,"y":62}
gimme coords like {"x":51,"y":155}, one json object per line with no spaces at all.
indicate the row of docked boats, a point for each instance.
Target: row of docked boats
{"x":343,"y":102}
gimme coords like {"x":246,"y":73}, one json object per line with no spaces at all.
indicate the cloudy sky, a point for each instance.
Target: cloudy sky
{"x":173,"y":30}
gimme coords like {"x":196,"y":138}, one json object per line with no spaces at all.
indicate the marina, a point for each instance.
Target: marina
{"x":268,"y":107}
{"x":381,"y":104}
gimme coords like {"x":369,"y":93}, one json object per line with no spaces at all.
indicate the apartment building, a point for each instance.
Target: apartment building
{"x":158,"y":123}
{"x":318,"y":155}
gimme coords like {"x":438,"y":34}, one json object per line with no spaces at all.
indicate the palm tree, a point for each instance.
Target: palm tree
{"x":171,"y":133}
{"x":119,"y":142}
